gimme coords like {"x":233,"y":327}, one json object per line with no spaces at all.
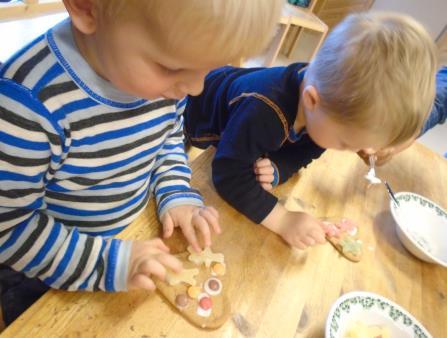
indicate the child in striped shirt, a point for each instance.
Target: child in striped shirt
{"x":91,"y":128}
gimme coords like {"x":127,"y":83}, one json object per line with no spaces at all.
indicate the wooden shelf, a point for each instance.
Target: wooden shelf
{"x":303,"y":18}
{"x":20,"y":10}
{"x":292,"y":16}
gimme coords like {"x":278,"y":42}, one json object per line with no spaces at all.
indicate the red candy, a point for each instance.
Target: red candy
{"x":205,"y":303}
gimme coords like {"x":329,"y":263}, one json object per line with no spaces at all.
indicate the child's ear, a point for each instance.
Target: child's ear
{"x":83,"y":15}
{"x":311,"y":98}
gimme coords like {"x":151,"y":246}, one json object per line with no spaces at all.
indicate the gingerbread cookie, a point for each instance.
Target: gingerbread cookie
{"x":345,"y":239}
{"x":198,"y":291}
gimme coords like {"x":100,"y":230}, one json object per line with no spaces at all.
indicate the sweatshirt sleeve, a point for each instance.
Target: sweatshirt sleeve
{"x":32,"y":147}
{"x":253,"y":130}
{"x":438,"y":113}
{"x":293,"y":156}
{"x":171,"y":176}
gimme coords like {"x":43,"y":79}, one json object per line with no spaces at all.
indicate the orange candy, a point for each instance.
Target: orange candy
{"x":194,"y":291}
{"x":218,"y":269}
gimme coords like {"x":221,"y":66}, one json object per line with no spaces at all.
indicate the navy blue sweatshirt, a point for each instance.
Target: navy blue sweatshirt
{"x":247,"y":114}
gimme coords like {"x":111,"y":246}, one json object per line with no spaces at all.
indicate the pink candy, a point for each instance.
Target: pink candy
{"x":336,"y":228}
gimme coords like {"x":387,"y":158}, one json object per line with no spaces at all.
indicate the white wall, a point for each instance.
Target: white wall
{"x":16,"y":34}
{"x":431,"y":13}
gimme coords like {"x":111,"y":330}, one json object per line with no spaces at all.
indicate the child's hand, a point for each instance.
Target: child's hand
{"x":191,"y":219}
{"x":386,"y":154}
{"x":382,"y":156}
{"x":301,"y":230}
{"x":147,"y":259}
{"x":264,"y":170}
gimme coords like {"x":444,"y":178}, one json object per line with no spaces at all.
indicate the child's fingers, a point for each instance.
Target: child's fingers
{"x":265,"y":178}
{"x":159,"y":244}
{"x":330,"y":229}
{"x":202,"y":225}
{"x":141,"y":281}
{"x":190,"y":235}
{"x":152,"y":267}
{"x":168,"y":226}
{"x":213,"y":211}
{"x":267,"y":186}
{"x":211,"y":219}
{"x":265,"y":171}
{"x":318,"y":236}
{"x":263,"y":162}
{"x":300,"y":245}
{"x":170,"y":262}
{"x":308,"y":241}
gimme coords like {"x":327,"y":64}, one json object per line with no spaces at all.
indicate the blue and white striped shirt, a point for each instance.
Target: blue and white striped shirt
{"x":78,"y":162}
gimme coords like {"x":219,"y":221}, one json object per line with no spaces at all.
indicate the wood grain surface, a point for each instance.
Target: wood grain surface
{"x":277,"y":291}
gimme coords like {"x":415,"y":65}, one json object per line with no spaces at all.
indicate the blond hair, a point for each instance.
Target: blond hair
{"x":224,"y":30}
{"x":376,"y":71}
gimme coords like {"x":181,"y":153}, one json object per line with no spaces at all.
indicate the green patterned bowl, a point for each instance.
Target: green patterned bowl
{"x":372,"y":309}
{"x":421,"y":227}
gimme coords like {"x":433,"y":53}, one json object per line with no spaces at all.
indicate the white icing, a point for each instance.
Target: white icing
{"x":372,"y":178}
{"x":203,"y":313}
{"x":353,"y":231}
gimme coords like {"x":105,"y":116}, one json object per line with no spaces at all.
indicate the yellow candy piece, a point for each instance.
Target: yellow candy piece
{"x":194,"y":291}
{"x":218,"y":269}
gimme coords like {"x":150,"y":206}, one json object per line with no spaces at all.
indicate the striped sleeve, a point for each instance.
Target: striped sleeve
{"x":32,"y":148}
{"x":171,"y":177}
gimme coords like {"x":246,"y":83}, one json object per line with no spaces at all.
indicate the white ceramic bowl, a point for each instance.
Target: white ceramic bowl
{"x":372,"y":309}
{"x":421,"y":227}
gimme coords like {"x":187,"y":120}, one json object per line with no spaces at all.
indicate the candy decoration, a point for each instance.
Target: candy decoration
{"x":351,"y":245}
{"x":181,"y":301}
{"x":194,"y":291}
{"x":213,"y":286}
{"x":218,"y":269}
{"x":206,"y":303}
{"x":343,"y":235}
{"x":216,"y":309}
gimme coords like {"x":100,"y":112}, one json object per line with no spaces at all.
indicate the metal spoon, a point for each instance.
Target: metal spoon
{"x":373,"y":179}
{"x":391,"y":193}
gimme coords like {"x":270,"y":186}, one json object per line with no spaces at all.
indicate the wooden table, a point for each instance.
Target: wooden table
{"x":277,"y":291}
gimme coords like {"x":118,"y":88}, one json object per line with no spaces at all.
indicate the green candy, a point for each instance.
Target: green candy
{"x":351,"y":245}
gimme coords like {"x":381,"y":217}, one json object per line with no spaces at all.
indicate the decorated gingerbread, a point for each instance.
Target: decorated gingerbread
{"x":197,"y":292}
{"x":343,"y":235}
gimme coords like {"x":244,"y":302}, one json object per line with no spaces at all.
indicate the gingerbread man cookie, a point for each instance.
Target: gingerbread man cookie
{"x":344,"y":238}
{"x":197,"y":292}
{"x":187,"y":276}
{"x":206,"y":256}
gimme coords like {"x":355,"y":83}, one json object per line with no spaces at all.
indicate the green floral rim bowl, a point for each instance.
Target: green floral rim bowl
{"x":372,"y":309}
{"x":421,"y":227}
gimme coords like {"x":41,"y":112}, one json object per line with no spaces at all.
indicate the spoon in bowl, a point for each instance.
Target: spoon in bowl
{"x":373,"y":179}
